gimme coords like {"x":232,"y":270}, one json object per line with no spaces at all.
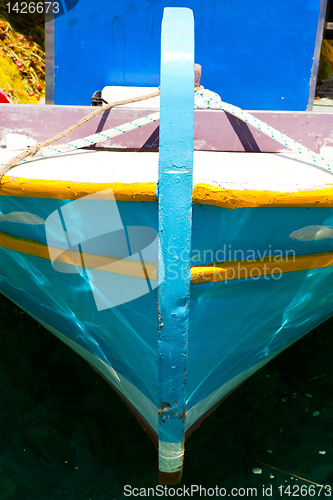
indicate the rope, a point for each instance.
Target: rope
{"x":32,"y":150}
{"x":203,"y":99}
{"x":211,"y":100}
{"x":91,"y":139}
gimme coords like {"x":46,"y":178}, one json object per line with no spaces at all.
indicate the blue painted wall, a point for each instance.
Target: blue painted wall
{"x":256,"y":54}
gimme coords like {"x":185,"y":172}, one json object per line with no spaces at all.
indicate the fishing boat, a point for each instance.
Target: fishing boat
{"x":180,"y":255}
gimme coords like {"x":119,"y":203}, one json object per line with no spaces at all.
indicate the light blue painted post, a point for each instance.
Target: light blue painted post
{"x":175,"y":224}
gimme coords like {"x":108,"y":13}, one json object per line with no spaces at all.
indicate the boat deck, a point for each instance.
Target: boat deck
{"x":283,"y":172}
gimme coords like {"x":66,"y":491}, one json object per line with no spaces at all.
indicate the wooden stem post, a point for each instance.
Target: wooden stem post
{"x":175,"y":225}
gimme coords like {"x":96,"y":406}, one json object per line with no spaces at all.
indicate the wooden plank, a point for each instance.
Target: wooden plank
{"x":215,"y":130}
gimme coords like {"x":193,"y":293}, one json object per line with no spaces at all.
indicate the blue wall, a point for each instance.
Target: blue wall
{"x":256,"y":54}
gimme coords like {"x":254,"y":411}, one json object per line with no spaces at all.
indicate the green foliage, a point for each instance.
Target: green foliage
{"x":325,"y":69}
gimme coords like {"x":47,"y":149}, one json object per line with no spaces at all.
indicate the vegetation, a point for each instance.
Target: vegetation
{"x":326,"y":60}
{"x":22,"y":55}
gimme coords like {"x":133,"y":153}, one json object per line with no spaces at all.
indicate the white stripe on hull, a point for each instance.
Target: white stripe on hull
{"x":171,"y":456}
{"x":220,"y":169}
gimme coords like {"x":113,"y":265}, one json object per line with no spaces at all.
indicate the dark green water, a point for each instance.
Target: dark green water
{"x":65,"y":435}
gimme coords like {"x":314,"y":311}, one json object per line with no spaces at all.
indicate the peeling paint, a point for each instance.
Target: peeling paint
{"x":203,"y":193}
{"x":175,"y":228}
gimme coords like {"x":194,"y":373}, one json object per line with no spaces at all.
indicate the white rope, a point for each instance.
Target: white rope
{"x":203,"y":99}
{"x":208,"y":99}
{"x":91,"y":139}
{"x":99,"y":137}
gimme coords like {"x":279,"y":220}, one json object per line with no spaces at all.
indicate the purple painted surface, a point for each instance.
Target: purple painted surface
{"x":214,"y":129}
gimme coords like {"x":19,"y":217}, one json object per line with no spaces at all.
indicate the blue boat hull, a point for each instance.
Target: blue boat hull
{"x":236,"y":325}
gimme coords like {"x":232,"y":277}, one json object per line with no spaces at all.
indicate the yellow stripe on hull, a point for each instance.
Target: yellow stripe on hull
{"x":215,"y":272}
{"x":242,"y":269}
{"x":125,"y":267}
{"x":205,"y":194}
{"x":69,"y":190}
